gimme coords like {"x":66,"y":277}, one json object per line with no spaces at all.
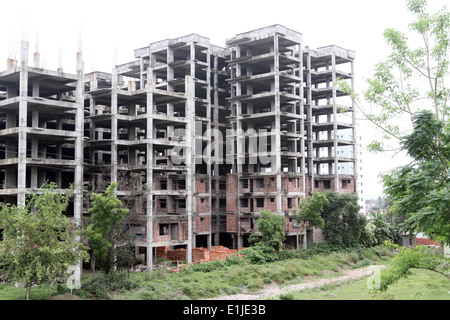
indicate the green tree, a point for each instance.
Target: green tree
{"x":40,"y":242}
{"x":411,"y":79}
{"x":379,"y":229}
{"x":420,"y":190}
{"x":411,"y":85}
{"x":107,"y":235}
{"x":268,"y":241}
{"x":309,"y":211}
{"x":420,"y":257}
{"x":271,"y":229}
{"x":343,"y":224}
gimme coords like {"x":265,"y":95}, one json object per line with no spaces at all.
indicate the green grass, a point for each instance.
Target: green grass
{"x":421,"y":285}
{"x":232,"y":276}
{"x":8,"y":292}
{"x":236,"y":276}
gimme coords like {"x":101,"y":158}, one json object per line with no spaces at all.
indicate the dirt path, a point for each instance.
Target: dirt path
{"x":274,"y":290}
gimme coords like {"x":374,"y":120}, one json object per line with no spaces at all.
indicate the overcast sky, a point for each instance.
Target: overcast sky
{"x":109,"y":31}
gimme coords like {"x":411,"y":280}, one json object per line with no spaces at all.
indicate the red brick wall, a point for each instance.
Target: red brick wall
{"x":350,"y":186}
{"x":292,"y":183}
{"x":290,"y":225}
{"x":200,"y":255}
{"x":270,"y":184}
{"x":231,"y":222}
{"x":201,"y":184}
{"x":182,"y":231}
{"x":202,"y":223}
{"x":321,"y":186}
{"x":232,"y":204}
{"x":161,"y":252}
{"x":202,"y":206}
{"x":177,"y":254}
{"x":269,"y":205}
{"x":294,"y":203}
{"x":158,"y":205}
{"x":426,"y":242}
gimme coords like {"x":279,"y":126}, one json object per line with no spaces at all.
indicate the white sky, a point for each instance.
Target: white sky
{"x":111,"y":30}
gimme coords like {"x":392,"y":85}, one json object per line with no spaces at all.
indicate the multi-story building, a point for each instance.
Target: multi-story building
{"x":41,"y":130}
{"x":267,"y":129}
{"x":287,"y":119}
{"x":149,"y":125}
{"x":200,"y":138}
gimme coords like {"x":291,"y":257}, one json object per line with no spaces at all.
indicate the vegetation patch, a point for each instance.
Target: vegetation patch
{"x":421,"y":285}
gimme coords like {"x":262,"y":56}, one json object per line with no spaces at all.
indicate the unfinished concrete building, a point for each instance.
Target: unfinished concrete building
{"x":41,"y":130}
{"x":149,"y":125}
{"x":267,"y":113}
{"x":200,"y":138}
{"x":330,"y":120}
{"x":288,"y":128}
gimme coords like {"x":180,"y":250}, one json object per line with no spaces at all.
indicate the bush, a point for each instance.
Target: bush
{"x":286,"y":296}
{"x":62,"y":289}
{"x":259,"y":254}
{"x":100,"y":287}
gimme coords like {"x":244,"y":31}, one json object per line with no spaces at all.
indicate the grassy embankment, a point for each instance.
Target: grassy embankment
{"x":208,"y":280}
{"x":235,"y":275}
{"x":421,"y":285}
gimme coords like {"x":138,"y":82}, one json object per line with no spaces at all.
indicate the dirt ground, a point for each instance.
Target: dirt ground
{"x":273,"y":290}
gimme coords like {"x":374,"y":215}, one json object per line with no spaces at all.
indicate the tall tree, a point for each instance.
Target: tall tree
{"x":271,"y":228}
{"x":411,"y":79}
{"x":309,"y":212}
{"x":40,"y":242}
{"x":343,"y":223}
{"x":412,"y":85}
{"x":265,"y":245}
{"x":106,"y":230}
{"x":421,"y":189}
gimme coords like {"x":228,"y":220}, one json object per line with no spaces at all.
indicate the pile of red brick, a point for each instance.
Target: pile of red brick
{"x":198,"y":254}
{"x":426,"y":242}
{"x":220,"y":253}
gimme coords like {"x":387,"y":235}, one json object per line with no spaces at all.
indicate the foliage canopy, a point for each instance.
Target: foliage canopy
{"x":40,"y":242}
{"x":343,"y":224}
{"x":106,"y":233}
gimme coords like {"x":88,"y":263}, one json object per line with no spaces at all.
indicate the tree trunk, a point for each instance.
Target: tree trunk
{"x":28,"y":292}
{"x":93,"y":262}
{"x":50,"y":290}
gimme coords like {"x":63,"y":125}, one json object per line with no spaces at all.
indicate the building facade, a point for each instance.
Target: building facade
{"x":200,"y":138}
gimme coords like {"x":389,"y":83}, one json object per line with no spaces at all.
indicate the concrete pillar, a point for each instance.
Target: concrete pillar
{"x":190,"y":157}
{"x":79,"y":129}
{"x":335,"y":129}
{"x":11,"y":63}
{"x":36,"y":59}
{"x":310,"y":133}
{"x":355,"y":137}
{"x":114,"y":123}
{"x":149,"y":168}
{"x":23,"y":106}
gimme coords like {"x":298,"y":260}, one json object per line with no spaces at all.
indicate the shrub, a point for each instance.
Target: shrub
{"x":259,"y":254}
{"x":100,"y":287}
{"x":286,"y":296}
{"x":62,"y":289}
